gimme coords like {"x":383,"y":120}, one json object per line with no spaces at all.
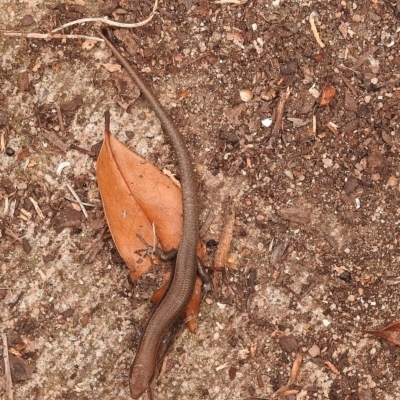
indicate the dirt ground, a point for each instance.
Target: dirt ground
{"x":316,"y":245}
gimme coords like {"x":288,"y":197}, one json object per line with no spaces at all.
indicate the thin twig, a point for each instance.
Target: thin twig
{"x":349,"y":85}
{"x":78,"y":200}
{"x":279,"y":111}
{"x":81,"y":150}
{"x":162,"y":11}
{"x":10,"y":233}
{"x":34,"y":35}
{"x":110,"y":22}
{"x":36,"y":207}
{"x":238,"y":2}
{"x":75,"y":201}
{"x":292,"y":378}
{"x":2,"y":143}
{"x":7,"y":369}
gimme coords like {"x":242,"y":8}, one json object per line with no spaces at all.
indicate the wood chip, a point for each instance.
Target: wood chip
{"x":222,"y":252}
{"x":296,"y":214}
{"x":54,"y":140}
{"x":279,"y":249}
{"x":278,"y":112}
{"x":332,"y":367}
{"x":283,"y":391}
{"x":365,"y":57}
{"x":225,"y":239}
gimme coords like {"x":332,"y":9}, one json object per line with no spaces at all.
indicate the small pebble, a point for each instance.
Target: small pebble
{"x":26,"y":245}
{"x":392,"y":181}
{"x":345,"y":276}
{"x":27,"y":20}
{"x":22,"y":186}
{"x":246,"y":95}
{"x":10,"y":152}
{"x":350,"y":185}
{"x":376,"y":177}
{"x":327,"y":162}
{"x":267,"y":122}
{"x":289,"y":174}
{"x":288,"y":343}
{"x":314,"y":351}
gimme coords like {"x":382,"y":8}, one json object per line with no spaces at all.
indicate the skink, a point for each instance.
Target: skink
{"x":184,"y":275}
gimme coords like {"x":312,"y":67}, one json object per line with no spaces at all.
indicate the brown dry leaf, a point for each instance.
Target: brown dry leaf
{"x":191,"y":314}
{"x":159,"y":293}
{"x":15,"y":352}
{"x":327,"y":95}
{"x":193,"y":308}
{"x":20,"y":369}
{"x":135,"y":195}
{"x":391,"y":333}
{"x":22,"y":154}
